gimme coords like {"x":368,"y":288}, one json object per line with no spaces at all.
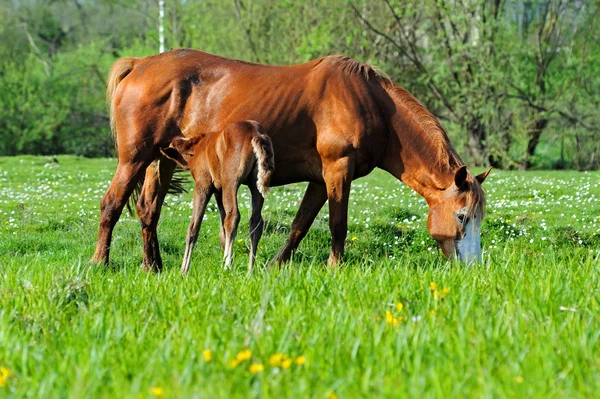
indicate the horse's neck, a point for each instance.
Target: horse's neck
{"x":412,"y":158}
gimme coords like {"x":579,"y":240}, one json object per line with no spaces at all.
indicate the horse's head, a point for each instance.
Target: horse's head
{"x":455,"y":216}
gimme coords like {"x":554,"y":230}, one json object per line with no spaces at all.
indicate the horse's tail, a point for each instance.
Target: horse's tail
{"x":120,"y":69}
{"x":265,"y":157}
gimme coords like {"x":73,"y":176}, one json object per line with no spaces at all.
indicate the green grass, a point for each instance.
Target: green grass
{"x":525,"y":323}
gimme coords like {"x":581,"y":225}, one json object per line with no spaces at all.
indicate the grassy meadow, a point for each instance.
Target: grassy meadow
{"x":395,"y":320}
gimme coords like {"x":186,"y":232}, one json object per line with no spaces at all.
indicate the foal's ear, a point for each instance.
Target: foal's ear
{"x":173,"y":154}
{"x":481,"y":177}
{"x":461,"y":176}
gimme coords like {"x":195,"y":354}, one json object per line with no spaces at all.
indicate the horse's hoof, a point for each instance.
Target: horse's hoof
{"x":153,"y":268}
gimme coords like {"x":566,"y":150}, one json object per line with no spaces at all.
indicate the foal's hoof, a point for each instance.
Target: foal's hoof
{"x":333,"y":263}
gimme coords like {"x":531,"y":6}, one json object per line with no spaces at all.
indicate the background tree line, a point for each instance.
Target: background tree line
{"x":515,"y":82}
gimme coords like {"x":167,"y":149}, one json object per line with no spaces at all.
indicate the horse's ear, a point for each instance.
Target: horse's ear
{"x":460,"y":178}
{"x":174,"y":154}
{"x":481,"y":177}
{"x":180,"y":143}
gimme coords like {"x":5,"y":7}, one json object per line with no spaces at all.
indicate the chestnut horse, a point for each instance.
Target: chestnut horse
{"x":331,"y":120}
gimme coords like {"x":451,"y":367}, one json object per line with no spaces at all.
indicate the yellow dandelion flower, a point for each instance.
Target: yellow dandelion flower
{"x":399,"y":307}
{"x":275,"y":359}
{"x":2,"y":381}
{"x":436,"y":294}
{"x":519,"y":379}
{"x":354,"y":238}
{"x":207,"y":355}
{"x":19,"y":186}
{"x":244,"y":355}
{"x":5,"y":372}
{"x":157,"y":392}
{"x":286,"y":362}
{"x":389,"y":317}
{"x":300,"y":360}
{"x":445,"y":291}
{"x":256,"y":368}
{"x":234,"y":363}
{"x":432,"y":286}
{"x":332,"y":395}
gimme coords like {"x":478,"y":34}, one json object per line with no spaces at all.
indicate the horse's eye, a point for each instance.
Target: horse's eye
{"x":461,"y":217}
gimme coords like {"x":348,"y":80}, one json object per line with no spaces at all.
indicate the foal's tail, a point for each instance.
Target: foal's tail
{"x":120,"y":69}
{"x":263,"y":150}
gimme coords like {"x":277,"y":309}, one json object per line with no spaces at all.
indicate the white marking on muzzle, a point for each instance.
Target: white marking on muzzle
{"x":469,"y":247}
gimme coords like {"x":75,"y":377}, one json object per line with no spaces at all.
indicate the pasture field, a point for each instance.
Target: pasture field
{"x":395,"y":320}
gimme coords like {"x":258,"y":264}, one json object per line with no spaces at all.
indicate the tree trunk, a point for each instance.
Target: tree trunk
{"x":161,"y":26}
{"x":534,"y":132}
{"x":476,"y":133}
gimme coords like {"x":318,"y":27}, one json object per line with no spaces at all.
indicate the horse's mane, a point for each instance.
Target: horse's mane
{"x":435,"y":133}
{"x":353,"y":67}
{"x":447,"y":158}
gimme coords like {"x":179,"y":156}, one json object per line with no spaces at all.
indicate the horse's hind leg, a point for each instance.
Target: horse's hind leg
{"x":123,"y":183}
{"x":232,"y":219}
{"x":256,"y":222}
{"x":156,"y":184}
{"x":219,"y":199}
{"x":314,"y":199}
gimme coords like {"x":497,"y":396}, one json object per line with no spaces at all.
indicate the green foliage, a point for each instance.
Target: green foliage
{"x":523,"y":324}
{"x":516,"y":83}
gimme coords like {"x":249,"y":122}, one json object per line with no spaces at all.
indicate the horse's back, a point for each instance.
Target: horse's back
{"x":322,"y":108}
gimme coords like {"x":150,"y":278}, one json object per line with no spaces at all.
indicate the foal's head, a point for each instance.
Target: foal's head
{"x":455,"y":216}
{"x":182,"y":150}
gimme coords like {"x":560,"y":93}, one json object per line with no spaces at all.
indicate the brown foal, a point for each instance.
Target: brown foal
{"x":220,"y":162}
{"x":331,"y":121}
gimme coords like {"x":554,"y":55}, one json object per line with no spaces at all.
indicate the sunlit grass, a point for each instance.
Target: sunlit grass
{"x":524,"y":323}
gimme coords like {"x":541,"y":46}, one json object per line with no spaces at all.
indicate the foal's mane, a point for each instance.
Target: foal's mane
{"x":445,"y":155}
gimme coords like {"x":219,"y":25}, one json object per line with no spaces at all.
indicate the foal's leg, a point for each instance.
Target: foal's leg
{"x":232,"y":219}
{"x":126,"y":177}
{"x":156,"y":184}
{"x":202,"y":194}
{"x":338,"y":177}
{"x":256,"y":222}
{"x":314,"y":199}
{"x":219,"y":199}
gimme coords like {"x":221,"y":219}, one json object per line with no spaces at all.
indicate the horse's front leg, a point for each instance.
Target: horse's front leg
{"x":338,"y":177}
{"x":156,"y":184}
